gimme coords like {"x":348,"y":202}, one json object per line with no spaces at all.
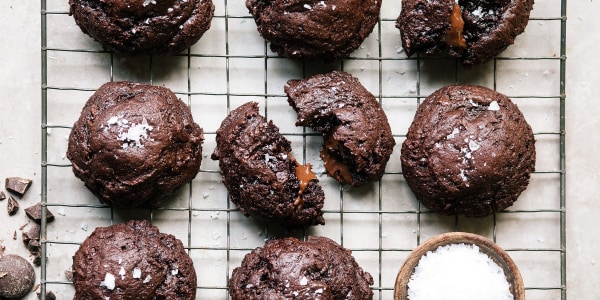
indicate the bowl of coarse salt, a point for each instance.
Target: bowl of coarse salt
{"x":459,"y":265}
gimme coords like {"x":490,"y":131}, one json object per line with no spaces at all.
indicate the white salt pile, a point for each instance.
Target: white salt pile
{"x":458,"y":271}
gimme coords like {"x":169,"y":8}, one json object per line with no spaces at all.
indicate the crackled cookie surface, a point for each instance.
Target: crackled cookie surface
{"x":132,"y":260}
{"x":473,"y":31}
{"x":262,"y":177}
{"x":468,"y":151}
{"x":287,"y":268}
{"x":358,"y":139}
{"x":143,"y":26}
{"x":135,"y":144}
{"x":308,"y":30}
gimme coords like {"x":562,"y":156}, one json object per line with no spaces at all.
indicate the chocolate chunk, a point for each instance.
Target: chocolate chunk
{"x":13,"y":206}
{"x":49,"y":295}
{"x":34,"y":247}
{"x":32,"y":234}
{"x":15,"y":235}
{"x":37,"y":261}
{"x":35,"y":213}
{"x":2,"y":195}
{"x":69,"y":275}
{"x":18,"y":185}
{"x":18,"y":278}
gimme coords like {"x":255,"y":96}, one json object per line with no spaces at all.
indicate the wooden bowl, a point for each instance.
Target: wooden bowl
{"x":497,"y":254}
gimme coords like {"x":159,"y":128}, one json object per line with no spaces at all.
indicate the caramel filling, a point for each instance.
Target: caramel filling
{"x":305,"y":176}
{"x":334,"y":167}
{"x":454,"y":35}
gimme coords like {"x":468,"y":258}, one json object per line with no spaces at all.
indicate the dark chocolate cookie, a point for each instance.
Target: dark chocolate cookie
{"x":358,"y":140}
{"x":468,"y":151}
{"x":473,"y":31}
{"x":262,"y":177}
{"x":143,"y":26}
{"x":132,"y":261}
{"x":287,"y":268}
{"x":310,"y":29}
{"x":135,"y":144}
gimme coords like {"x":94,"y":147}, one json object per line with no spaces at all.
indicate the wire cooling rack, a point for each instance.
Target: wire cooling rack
{"x":381,"y":222}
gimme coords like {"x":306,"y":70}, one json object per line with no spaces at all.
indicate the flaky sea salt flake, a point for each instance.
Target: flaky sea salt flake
{"x":494,"y":106}
{"x":148,"y":2}
{"x":137,"y":273}
{"x":109,"y":281}
{"x":147,"y":279}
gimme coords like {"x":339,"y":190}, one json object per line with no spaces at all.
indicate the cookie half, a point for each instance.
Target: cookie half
{"x":262,"y":177}
{"x":357,"y":137}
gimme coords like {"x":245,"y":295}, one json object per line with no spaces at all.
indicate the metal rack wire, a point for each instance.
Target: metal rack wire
{"x":380,"y":223}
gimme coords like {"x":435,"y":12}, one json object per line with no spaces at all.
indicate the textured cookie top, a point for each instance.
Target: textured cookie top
{"x":358,"y":140}
{"x":484,"y":27}
{"x":468,"y":151}
{"x":135,"y":144}
{"x":132,"y":261}
{"x":143,"y":26}
{"x":288,"y":268}
{"x":260,"y":174}
{"x":308,"y":30}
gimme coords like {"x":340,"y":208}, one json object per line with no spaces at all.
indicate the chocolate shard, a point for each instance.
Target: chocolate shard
{"x":34,"y":247}
{"x":2,"y":195}
{"x":33,"y":233}
{"x":49,"y":295}
{"x":18,"y":185}
{"x":35,"y":213}
{"x":69,"y":275}
{"x":13,"y":206}
{"x":37,"y":261}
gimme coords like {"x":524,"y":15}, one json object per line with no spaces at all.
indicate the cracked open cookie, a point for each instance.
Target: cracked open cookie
{"x":473,"y":31}
{"x":262,"y":177}
{"x":143,"y":26}
{"x":135,"y":144}
{"x":132,"y":261}
{"x":287,"y":268}
{"x":357,"y":137}
{"x":309,"y":30}
{"x":468,"y":151}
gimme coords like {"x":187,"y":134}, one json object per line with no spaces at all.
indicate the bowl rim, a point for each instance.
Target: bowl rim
{"x":487,"y":246}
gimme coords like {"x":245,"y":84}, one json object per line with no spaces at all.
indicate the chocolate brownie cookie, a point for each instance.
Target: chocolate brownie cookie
{"x":358,"y":140}
{"x":287,"y":268}
{"x":308,"y":30}
{"x":262,"y":177}
{"x":143,"y":26}
{"x":468,"y":151}
{"x":135,"y":144}
{"x":132,"y":261}
{"x":473,"y":31}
